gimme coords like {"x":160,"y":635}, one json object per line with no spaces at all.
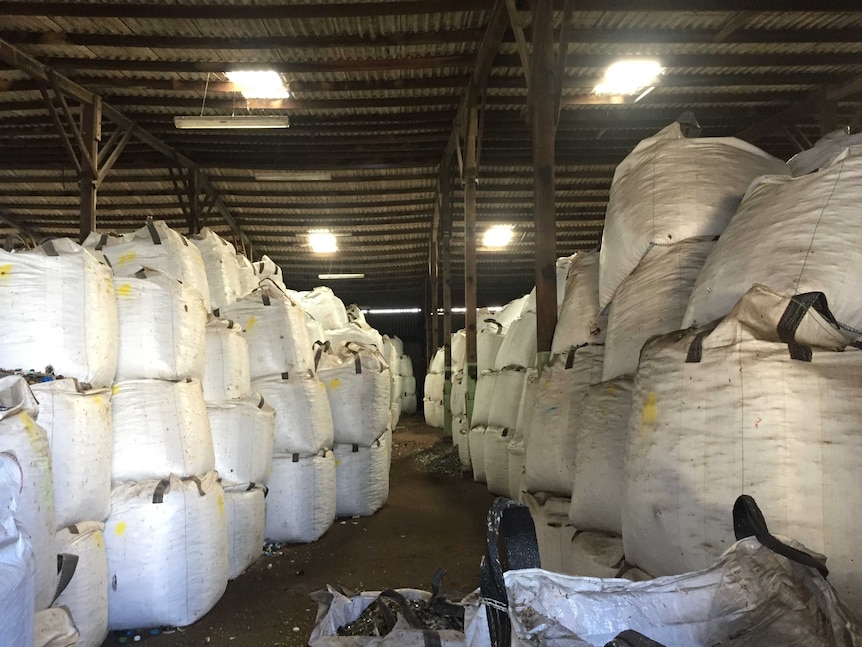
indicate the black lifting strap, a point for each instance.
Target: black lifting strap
{"x":510,"y":527}
{"x":430,"y":638}
{"x":748,"y":521}
{"x":631,"y":638}
{"x":797,"y":308}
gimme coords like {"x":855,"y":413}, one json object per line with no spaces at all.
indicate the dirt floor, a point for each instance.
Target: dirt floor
{"x":434,"y":517}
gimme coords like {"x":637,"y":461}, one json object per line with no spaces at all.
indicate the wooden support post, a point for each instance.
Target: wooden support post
{"x":544,"y":216}
{"x":434,"y":291}
{"x":470,"y":190}
{"x":194,"y":202}
{"x":91,"y":133}
{"x":828,"y":114}
{"x":446,"y":258}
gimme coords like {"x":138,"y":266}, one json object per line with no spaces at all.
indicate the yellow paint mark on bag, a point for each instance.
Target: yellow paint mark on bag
{"x":334,"y":383}
{"x":120,"y":529}
{"x":221,"y":505}
{"x":115,"y":389}
{"x":649,"y":412}
{"x":251,"y":322}
{"x":124,"y":290}
{"x":337,"y":462}
{"x":125,"y":259}
{"x":5,"y":272}
{"x":30,"y":427}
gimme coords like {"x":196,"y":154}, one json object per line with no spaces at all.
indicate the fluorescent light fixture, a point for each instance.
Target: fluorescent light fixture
{"x":497,"y":236}
{"x":259,"y":84}
{"x":391,"y":311}
{"x":346,"y":275}
{"x":459,"y":311}
{"x":629,"y":76}
{"x":322,"y":241}
{"x":238,"y":121}
{"x":292,"y":176}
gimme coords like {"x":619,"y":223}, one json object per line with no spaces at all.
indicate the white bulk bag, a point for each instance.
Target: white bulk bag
{"x":670,"y":188}
{"x":157,"y":246}
{"x":483,"y":397}
{"x":408,"y":404}
{"x":511,"y":311}
{"x":54,"y":628}
{"x":357,"y":381}
{"x":397,"y":388}
{"x":243,"y":433}
{"x":219,"y":258}
{"x":394,"y":415}
{"x":476,"y":442}
{"x":266,"y":268}
{"x":600,"y":438}
{"x":581,"y":321}
{"x":434,"y":384}
{"x":226,"y":376}
{"x":506,"y":398}
{"x":361,"y":478}
{"x":432,"y":413}
{"x":488,"y":341}
{"x":274,"y":327}
{"x":162,"y":328}
{"x":398,"y":345}
{"x":58,"y":310}
{"x":408,"y":385}
{"x":458,"y":394}
{"x":550,"y":441}
{"x":652,"y":301}
{"x":245,"y":508}
{"x":527,"y":403}
{"x":554,"y":533}
{"x":747,"y":418}
{"x":86,"y":596}
{"x":517,"y":460}
{"x":354,"y":313}
{"x":179,"y":525}
{"x":390,"y":353}
{"x":405,"y":366}
{"x":563,"y":269}
{"x":28,"y":442}
{"x":461,"y":431}
{"x":300,"y":506}
{"x":96,"y":240}
{"x":519,"y":346}
{"x":316,"y":333}
{"x":751,"y":596}
{"x":438,"y":361}
{"x":17,"y":563}
{"x":496,"y":457}
{"x":80,"y":433}
{"x":247,"y":277}
{"x":353,"y":332}
{"x":458,"y":350}
{"x":324,"y":306}
{"x":160,"y":428}
{"x":823,"y":153}
{"x":595,"y":554}
{"x":303,"y":421}
{"x":794,"y":236}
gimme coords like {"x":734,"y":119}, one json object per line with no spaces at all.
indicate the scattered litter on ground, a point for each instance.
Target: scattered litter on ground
{"x":373,"y":620}
{"x":441,"y":458}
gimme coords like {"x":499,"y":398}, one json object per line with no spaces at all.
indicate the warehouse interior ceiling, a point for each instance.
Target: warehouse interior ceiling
{"x":376,"y":101}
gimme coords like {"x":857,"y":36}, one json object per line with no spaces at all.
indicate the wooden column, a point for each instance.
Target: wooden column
{"x":544,"y":215}
{"x":470,"y":184}
{"x":446,"y":258}
{"x":91,"y":133}
{"x":433,"y":302}
{"x":194,"y":202}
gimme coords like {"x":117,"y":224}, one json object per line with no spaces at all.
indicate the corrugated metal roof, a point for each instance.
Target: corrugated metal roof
{"x":375,"y":94}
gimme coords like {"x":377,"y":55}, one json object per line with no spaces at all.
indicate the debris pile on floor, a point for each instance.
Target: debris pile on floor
{"x":440,"y":459}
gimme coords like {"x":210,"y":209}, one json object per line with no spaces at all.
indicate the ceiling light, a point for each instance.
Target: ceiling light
{"x":322,"y":241}
{"x":497,"y":236}
{"x":239,"y":121}
{"x":340,"y":276}
{"x":629,"y":76}
{"x":292,"y":176}
{"x":259,"y":84}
